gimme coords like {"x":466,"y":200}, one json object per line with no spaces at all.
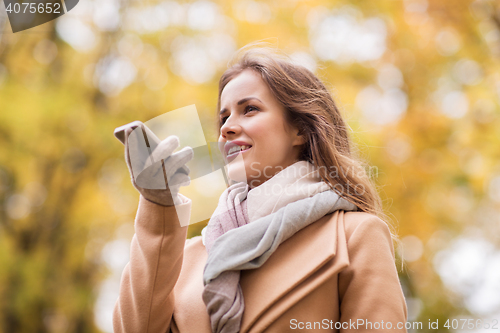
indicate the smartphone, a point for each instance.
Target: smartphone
{"x":151,"y":139}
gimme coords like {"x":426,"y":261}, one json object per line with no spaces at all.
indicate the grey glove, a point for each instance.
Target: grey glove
{"x":157,"y":174}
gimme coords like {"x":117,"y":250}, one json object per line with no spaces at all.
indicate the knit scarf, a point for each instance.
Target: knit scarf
{"x":234,"y":244}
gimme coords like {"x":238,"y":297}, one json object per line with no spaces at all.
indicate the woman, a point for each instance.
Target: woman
{"x":294,"y":244}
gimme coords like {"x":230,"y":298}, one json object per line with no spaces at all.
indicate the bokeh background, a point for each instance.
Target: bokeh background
{"x":418,"y":82}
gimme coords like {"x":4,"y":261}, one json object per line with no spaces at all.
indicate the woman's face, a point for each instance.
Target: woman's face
{"x":256,"y":139}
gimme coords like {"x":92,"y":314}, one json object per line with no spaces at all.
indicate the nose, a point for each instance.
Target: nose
{"x":230,"y":128}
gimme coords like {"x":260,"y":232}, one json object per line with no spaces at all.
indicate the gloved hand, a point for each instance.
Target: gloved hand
{"x":157,"y":175}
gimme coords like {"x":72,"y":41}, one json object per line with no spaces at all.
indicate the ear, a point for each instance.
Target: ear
{"x":298,"y":138}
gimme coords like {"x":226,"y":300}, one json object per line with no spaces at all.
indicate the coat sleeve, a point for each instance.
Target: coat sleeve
{"x":146,"y":301}
{"x":369,"y":288}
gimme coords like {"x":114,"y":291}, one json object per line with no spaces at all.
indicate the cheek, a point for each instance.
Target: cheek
{"x":274,"y":141}
{"x":266,"y":132}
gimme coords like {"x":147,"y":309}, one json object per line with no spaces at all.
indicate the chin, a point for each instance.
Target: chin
{"x":236,"y":170}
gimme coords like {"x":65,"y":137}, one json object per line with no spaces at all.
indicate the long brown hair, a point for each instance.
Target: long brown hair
{"x":311,"y":109}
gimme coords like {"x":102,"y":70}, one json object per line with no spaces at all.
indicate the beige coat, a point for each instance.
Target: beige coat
{"x":337,"y":272}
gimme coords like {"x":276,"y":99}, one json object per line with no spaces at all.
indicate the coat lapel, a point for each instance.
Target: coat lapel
{"x":295,"y":260}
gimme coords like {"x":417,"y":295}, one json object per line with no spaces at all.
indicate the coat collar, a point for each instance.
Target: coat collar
{"x":296,"y":259}
{"x":319,"y":249}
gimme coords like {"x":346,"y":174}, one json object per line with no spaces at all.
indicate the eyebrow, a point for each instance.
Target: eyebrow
{"x":241,"y":101}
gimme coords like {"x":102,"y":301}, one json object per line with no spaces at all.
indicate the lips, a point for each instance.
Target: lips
{"x":233,"y":148}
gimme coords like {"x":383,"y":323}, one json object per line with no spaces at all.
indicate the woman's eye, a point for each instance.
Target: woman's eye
{"x":251,"y":108}
{"x":248,"y":108}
